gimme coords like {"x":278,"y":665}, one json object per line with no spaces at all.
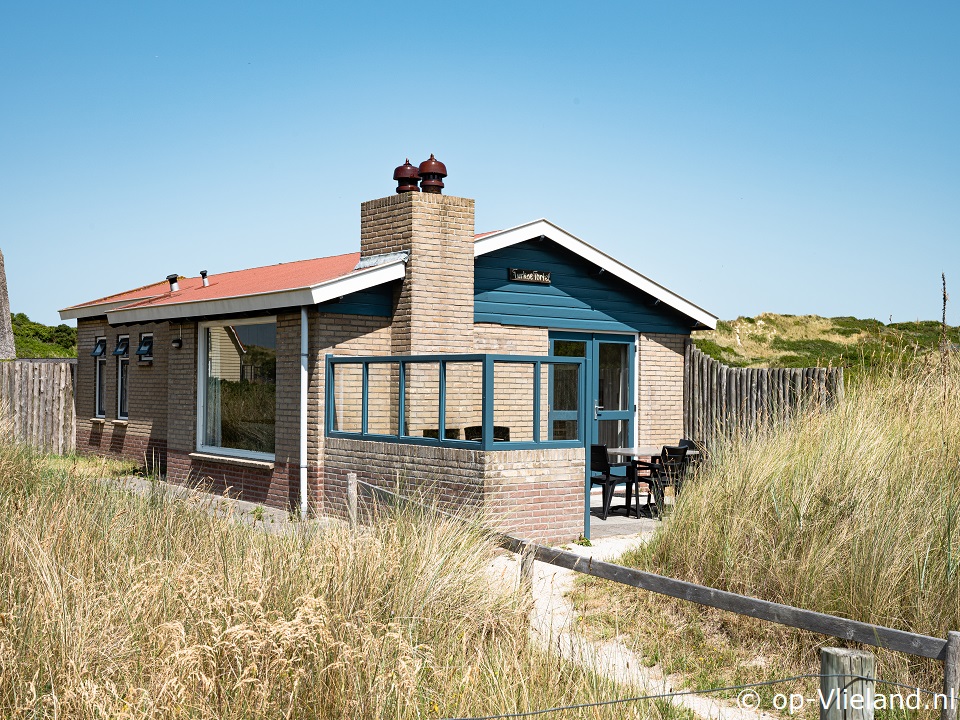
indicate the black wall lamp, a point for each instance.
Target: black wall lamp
{"x":177,"y":343}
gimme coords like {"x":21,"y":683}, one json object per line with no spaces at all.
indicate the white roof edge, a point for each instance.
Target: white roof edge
{"x":536,"y":228}
{"x":308,"y":295}
{"x":85,"y":311}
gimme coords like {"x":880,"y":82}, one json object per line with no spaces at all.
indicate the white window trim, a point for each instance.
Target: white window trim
{"x":100,"y":367}
{"x":120,"y":360}
{"x":202,"y":387}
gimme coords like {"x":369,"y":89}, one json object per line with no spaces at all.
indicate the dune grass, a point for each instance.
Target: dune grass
{"x":853,"y":512}
{"x":122,"y":606}
{"x":773,"y":340}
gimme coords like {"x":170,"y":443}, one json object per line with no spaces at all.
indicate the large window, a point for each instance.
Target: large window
{"x":237,"y":388}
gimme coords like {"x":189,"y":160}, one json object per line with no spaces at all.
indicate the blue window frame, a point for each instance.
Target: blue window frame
{"x":348,"y":380}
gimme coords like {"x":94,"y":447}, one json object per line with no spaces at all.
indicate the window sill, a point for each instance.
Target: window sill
{"x":120,"y":423}
{"x":231,"y":460}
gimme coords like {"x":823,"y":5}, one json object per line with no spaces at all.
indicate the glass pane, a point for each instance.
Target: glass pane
{"x":422,"y":399}
{"x":347,"y":387}
{"x":464,"y":400}
{"x":101,"y":387}
{"x":570,"y":348}
{"x":383,"y":398}
{"x":513,"y":402}
{"x":613,"y":433}
{"x":241,"y":391}
{"x":613,"y":392}
{"x":566,"y":389}
{"x":564,"y":430}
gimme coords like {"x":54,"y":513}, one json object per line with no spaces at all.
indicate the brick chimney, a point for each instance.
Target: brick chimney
{"x":435,"y":308}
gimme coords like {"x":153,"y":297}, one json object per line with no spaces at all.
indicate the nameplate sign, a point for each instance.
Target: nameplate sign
{"x":540,"y":277}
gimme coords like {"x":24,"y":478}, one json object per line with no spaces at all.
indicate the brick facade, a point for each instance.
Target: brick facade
{"x":660,"y":375}
{"x":141,"y":436}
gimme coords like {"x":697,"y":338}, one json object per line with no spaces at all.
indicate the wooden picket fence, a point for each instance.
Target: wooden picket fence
{"x":36,"y":403}
{"x":718,"y":399}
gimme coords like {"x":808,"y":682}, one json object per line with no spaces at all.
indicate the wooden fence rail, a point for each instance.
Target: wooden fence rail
{"x":36,"y":404}
{"x":718,"y":399}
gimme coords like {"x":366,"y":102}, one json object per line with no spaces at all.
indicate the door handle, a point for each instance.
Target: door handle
{"x":596,"y":410}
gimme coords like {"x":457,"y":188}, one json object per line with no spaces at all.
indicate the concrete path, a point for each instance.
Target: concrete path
{"x":553,"y":627}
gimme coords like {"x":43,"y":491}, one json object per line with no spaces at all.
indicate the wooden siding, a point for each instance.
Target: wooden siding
{"x":375,"y":302}
{"x":578,"y":297}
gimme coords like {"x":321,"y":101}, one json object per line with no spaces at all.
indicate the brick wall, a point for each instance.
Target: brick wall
{"x":336,"y":334}
{"x":661,"y":389}
{"x":140,"y":437}
{"x":535,"y":494}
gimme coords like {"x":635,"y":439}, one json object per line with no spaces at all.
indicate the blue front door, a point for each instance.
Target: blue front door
{"x":609,"y":401}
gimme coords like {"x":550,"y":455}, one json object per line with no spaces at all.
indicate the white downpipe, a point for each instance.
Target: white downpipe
{"x":304,"y":387}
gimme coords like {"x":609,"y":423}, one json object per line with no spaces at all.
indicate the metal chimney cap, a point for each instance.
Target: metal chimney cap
{"x":432,"y":172}
{"x":172,"y":279}
{"x":407,"y":177}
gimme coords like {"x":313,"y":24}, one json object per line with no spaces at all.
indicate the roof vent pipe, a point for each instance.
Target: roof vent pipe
{"x":432,"y":173}
{"x":407,"y":178}
{"x":172,"y":279}
{"x":203,"y":274}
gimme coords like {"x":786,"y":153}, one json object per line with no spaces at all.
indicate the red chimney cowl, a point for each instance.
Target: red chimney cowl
{"x":406,"y":176}
{"x":432,"y":172}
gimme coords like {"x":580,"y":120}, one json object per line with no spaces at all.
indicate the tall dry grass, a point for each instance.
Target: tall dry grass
{"x":853,"y":511}
{"x":120,"y":606}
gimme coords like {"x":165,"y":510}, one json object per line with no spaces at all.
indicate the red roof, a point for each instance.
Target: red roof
{"x":239,"y":283}
{"x":271,"y":278}
{"x":136,"y":294}
{"x":253,"y":281}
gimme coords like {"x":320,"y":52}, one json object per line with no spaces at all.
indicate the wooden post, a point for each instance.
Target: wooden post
{"x":526,"y":569}
{"x":842,"y":697}
{"x":352,"y":499}
{"x":951,"y":677}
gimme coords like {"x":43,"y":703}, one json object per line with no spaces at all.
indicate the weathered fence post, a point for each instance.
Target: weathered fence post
{"x":526,"y":569}
{"x":352,"y":499}
{"x":951,"y":677}
{"x":843,"y":695}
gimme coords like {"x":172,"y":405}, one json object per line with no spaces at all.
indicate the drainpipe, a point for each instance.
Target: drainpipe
{"x":304,"y":385}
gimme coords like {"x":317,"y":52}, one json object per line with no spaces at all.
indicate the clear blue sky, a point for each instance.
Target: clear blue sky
{"x":795,"y":157}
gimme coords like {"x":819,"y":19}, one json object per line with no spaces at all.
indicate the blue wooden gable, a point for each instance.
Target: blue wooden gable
{"x":579,"y":296}
{"x":376,"y":301}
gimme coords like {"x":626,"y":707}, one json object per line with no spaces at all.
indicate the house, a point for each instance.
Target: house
{"x":478,"y":366}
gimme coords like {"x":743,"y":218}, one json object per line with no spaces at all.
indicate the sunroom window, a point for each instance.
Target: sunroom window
{"x":237,"y":388}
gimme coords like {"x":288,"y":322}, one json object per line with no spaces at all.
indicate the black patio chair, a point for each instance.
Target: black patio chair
{"x":601,"y":473}
{"x":501,"y":433}
{"x":448,"y":433}
{"x":668,"y":470}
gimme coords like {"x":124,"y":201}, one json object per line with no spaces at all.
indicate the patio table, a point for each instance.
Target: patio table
{"x":647,"y":451}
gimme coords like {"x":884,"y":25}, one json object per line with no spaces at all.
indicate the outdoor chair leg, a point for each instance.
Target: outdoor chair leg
{"x":607,"y":499}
